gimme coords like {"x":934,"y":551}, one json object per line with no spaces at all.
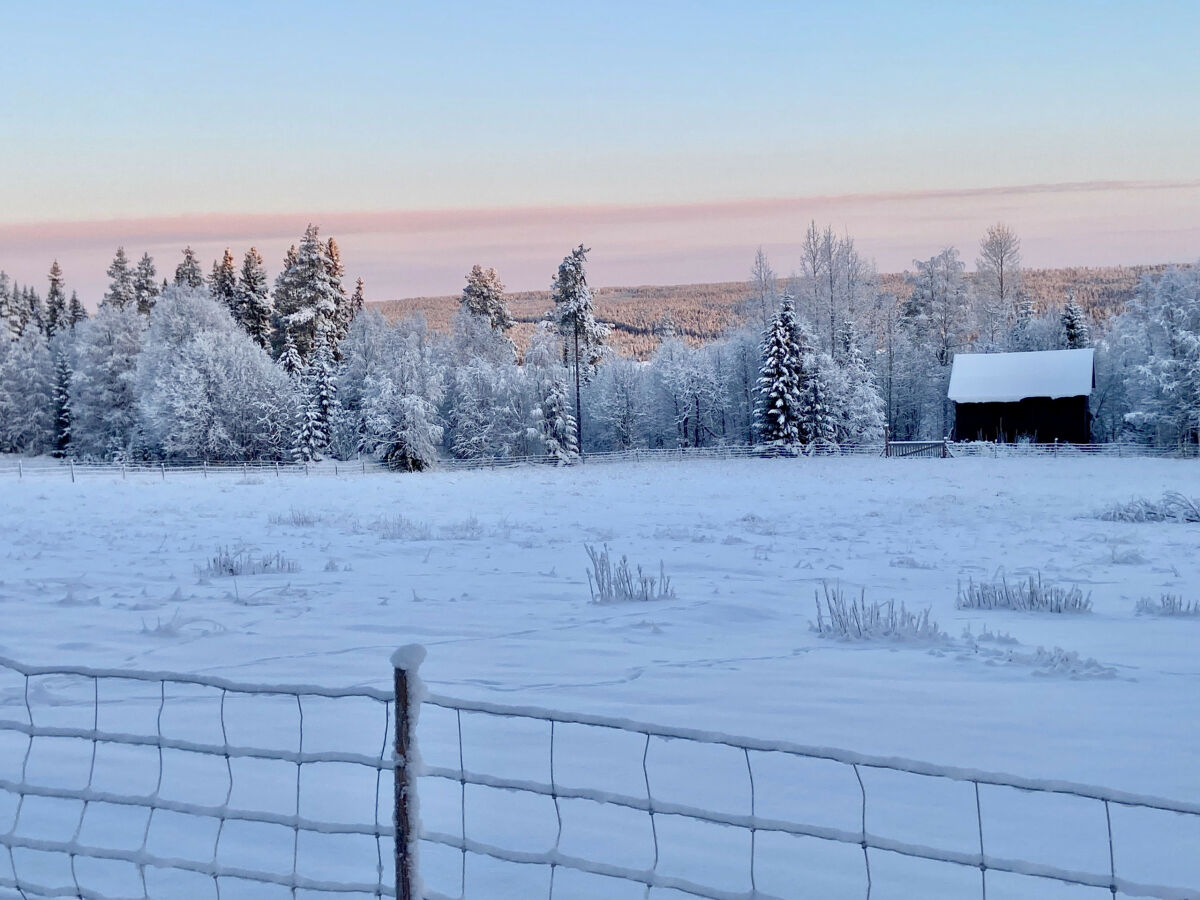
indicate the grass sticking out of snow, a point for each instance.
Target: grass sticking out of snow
{"x":228,"y":562}
{"x":615,"y":583}
{"x":1030,"y":596}
{"x":1172,"y":507}
{"x":858,"y":620}
{"x":1168,"y":605}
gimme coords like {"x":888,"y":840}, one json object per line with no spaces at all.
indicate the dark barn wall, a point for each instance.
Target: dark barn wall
{"x":1039,"y":418}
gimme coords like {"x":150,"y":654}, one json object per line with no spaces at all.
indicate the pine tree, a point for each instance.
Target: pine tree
{"x":223,"y":284}
{"x":62,"y":404}
{"x":253,"y":299}
{"x":582,"y":334}
{"x":27,"y":394}
{"x":781,"y":379}
{"x":187,"y":273}
{"x":484,"y":297}
{"x":1020,"y":338}
{"x":319,"y":386}
{"x":56,"y":302}
{"x":336,"y":271}
{"x":1076,"y":332}
{"x":76,"y":312}
{"x":120,"y":288}
{"x":145,"y":284}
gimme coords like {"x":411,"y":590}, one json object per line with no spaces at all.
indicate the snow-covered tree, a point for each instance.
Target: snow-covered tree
{"x":187,"y":273}
{"x":103,"y":385}
{"x":76,"y":312}
{"x":289,"y":360}
{"x":26,"y":394}
{"x":764,"y":289}
{"x":401,"y":403}
{"x":62,"y":402}
{"x":621,"y":410}
{"x":550,"y":416}
{"x":318,"y":386}
{"x":1021,"y":337}
{"x":223,"y":283}
{"x":781,"y":378}
{"x":484,"y":297}
{"x":56,"y":302}
{"x":1076,"y":333}
{"x":120,"y":289}
{"x":583,"y":336}
{"x":308,"y":294}
{"x":145,"y":284}
{"x":253,"y":299}
{"x":205,"y":389}
{"x":997,"y":282}
{"x":816,"y":407}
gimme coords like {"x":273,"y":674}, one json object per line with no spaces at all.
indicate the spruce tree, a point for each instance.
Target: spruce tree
{"x":76,"y":312}
{"x":36,"y":312}
{"x":62,"y":404}
{"x":1076,"y":332}
{"x":120,"y":288}
{"x":289,"y":359}
{"x":223,"y":284}
{"x":816,"y":417}
{"x":355,"y":303}
{"x":781,"y":379}
{"x":308,"y":295}
{"x":145,"y":284}
{"x":583,"y":336}
{"x":56,"y":302}
{"x":253,"y":299}
{"x":319,"y":387}
{"x":10,"y":323}
{"x":187,"y":273}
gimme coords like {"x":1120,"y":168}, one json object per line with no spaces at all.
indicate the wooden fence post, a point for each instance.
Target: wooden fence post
{"x":405,"y":663}
{"x":71,"y":462}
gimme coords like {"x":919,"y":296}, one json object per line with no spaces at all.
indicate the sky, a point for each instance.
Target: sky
{"x":672,"y":138}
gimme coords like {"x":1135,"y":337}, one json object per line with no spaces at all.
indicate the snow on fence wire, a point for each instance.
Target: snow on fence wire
{"x":552,"y":804}
{"x":16,"y":467}
{"x":124,"y":784}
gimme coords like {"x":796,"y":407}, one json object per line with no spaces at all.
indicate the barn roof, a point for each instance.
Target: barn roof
{"x":1009,"y":377}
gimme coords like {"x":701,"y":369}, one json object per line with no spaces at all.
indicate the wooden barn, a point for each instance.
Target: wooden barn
{"x":1042,"y":395}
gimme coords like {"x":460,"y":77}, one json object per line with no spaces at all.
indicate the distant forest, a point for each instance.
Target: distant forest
{"x":702,"y":313}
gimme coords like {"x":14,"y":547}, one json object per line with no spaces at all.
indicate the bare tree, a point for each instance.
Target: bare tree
{"x":998,"y":280}
{"x":763,"y":287}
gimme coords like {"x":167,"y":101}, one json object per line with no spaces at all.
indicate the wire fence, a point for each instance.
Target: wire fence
{"x":117,"y":784}
{"x":19,"y":468}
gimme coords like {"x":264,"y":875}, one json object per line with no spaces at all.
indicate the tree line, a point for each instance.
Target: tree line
{"x":231,"y":367}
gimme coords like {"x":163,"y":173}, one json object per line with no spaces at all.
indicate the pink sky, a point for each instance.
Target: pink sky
{"x":409,"y":253}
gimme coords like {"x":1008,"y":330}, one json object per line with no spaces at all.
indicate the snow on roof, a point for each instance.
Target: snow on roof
{"x":1009,"y":377}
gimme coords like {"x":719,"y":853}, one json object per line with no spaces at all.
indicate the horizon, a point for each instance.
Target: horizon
{"x":672,"y":140}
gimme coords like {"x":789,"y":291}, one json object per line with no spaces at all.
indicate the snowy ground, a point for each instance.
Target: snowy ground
{"x":487,"y":569}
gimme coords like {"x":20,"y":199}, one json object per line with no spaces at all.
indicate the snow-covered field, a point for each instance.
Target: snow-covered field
{"x":488,"y":570}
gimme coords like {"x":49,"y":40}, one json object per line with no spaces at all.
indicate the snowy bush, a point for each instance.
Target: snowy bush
{"x":301,"y":518}
{"x":857,"y":620}
{"x":1173,"y":507}
{"x":228,"y":562}
{"x":611,"y":583}
{"x":1167,"y":605}
{"x":1030,"y":595}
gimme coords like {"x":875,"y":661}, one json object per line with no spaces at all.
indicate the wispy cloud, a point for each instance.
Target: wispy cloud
{"x":404,"y":253}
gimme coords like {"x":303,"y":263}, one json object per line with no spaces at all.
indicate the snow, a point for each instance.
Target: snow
{"x":491,"y":580}
{"x":1009,"y":377}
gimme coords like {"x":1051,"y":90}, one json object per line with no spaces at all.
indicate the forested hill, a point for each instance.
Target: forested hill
{"x":701,"y":312}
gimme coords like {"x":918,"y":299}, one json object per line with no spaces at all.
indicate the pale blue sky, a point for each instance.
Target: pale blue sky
{"x":120,"y":110}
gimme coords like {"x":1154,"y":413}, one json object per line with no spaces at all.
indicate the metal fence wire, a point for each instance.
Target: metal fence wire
{"x":517,"y":802}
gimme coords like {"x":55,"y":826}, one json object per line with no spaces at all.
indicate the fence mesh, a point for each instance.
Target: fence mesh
{"x":136,"y":785}
{"x":612,"y":809}
{"x":117,"y":784}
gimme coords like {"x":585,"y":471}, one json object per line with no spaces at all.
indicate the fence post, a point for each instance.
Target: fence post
{"x":71,"y":462}
{"x":887,"y":443}
{"x":20,"y":471}
{"x":163,"y":467}
{"x":122,"y":471}
{"x":206,"y":469}
{"x":409,"y":691}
